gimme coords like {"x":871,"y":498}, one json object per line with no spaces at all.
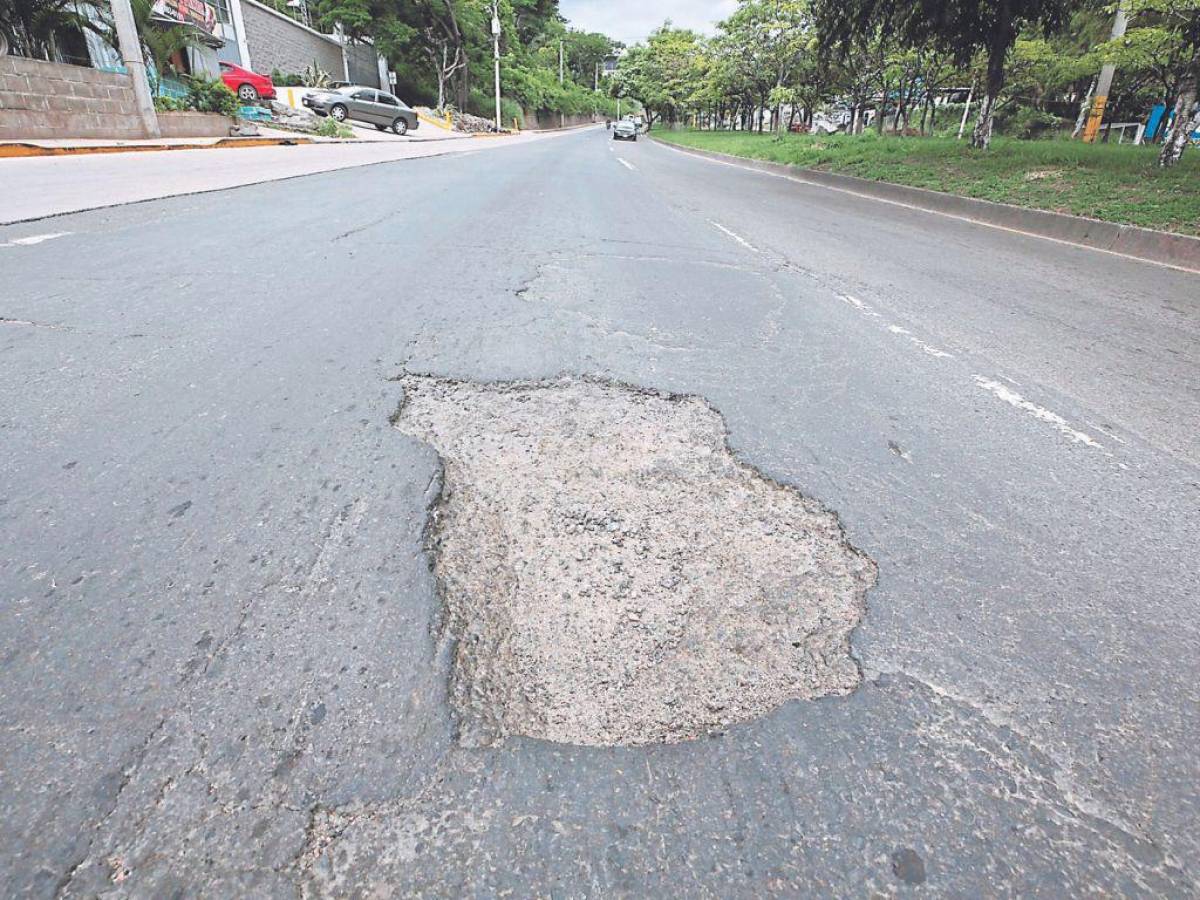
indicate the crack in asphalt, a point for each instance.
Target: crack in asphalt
{"x":128,"y":772}
{"x":1077,"y":797}
{"x":348,"y":518}
{"x":341,"y":840}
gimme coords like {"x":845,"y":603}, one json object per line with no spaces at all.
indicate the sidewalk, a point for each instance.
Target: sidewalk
{"x":42,"y":186}
{"x":267,"y":137}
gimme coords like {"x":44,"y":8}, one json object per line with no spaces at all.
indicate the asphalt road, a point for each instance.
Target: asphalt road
{"x":218,"y":665}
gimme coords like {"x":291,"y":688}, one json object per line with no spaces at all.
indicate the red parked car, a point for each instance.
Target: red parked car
{"x":249,"y":86}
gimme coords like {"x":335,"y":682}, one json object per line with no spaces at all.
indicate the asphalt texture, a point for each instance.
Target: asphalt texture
{"x":219,"y":670}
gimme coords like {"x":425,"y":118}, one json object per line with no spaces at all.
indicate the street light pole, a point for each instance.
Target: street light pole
{"x":1104,"y":83}
{"x":131,"y":55}
{"x":496,"y":56}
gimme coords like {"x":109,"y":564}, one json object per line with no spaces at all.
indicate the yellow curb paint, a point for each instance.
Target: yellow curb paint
{"x":16,"y":151}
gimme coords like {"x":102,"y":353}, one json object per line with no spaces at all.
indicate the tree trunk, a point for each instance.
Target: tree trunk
{"x":1185,"y":123}
{"x":981,"y":137}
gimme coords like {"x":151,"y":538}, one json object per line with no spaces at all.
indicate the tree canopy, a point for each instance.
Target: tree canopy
{"x":441,"y":51}
{"x":1029,"y":65}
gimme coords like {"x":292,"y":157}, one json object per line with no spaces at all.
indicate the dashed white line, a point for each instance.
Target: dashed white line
{"x":34,"y":239}
{"x":933,"y":212}
{"x":928,"y":348}
{"x":859,"y":305}
{"x":627,"y":164}
{"x":933,"y":351}
{"x":741,"y":240}
{"x":1012,"y":398}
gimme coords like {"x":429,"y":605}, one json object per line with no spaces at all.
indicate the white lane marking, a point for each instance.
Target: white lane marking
{"x":626,"y":164}
{"x":34,"y":239}
{"x":1108,"y":433}
{"x":928,"y":348}
{"x":932,"y":212}
{"x":895,"y":329}
{"x":859,"y":305}
{"x":931,"y":350}
{"x":741,"y":240}
{"x":1012,"y":398}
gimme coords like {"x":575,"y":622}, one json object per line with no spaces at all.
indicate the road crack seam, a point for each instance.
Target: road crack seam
{"x":1079,"y":803}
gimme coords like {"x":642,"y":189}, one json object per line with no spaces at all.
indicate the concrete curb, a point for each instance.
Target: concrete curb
{"x":1178,"y":250}
{"x":20,"y":150}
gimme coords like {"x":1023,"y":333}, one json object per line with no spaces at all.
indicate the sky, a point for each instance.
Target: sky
{"x":632,"y":20}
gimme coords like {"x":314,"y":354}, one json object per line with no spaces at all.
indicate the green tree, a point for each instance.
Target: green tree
{"x":665,"y":75}
{"x":961,"y":28}
{"x":1164,"y":39}
{"x":762,"y":45}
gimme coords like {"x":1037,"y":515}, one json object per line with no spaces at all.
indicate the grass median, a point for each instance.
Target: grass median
{"x":1115,"y":183}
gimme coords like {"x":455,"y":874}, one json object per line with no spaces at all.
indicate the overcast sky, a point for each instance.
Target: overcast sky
{"x":632,"y":20}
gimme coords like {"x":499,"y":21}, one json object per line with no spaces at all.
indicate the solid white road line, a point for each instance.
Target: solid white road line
{"x":1012,"y":398}
{"x":745,"y":243}
{"x":34,"y":239}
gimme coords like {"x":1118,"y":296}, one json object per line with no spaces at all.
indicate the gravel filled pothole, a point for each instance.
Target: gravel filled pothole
{"x":613,"y":575}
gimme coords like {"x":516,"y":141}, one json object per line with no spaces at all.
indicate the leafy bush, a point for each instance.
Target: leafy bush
{"x":1027,"y":122}
{"x":287,"y":79}
{"x":210,"y":95}
{"x":509,"y":110}
{"x":331,"y":127}
{"x":169,"y":104}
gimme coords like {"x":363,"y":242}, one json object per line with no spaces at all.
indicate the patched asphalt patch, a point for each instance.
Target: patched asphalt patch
{"x":613,"y":575}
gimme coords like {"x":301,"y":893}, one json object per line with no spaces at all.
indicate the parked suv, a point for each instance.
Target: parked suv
{"x":364,"y":104}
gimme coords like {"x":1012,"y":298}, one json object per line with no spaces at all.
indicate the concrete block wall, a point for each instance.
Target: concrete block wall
{"x":364,"y":65}
{"x":44,"y":100}
{"x":278,"y":42}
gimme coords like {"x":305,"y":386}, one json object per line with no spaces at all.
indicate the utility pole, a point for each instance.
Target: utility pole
{"x":1104,"y":82}
{"x":562,"y":117}
{"x":496,"y":55}
{"x":131,"y":54}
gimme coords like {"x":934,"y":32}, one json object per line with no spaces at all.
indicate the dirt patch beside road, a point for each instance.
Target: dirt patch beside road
{"x":613,"y":575}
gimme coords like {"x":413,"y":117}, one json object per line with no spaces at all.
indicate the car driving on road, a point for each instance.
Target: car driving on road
{"x":625,"y":130}
{"x":364,"y":104}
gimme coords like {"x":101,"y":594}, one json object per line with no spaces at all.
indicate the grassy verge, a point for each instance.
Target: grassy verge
{"x":1116,"y":183}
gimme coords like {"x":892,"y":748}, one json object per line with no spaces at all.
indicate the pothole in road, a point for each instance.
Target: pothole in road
{"x":613,"y":575}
